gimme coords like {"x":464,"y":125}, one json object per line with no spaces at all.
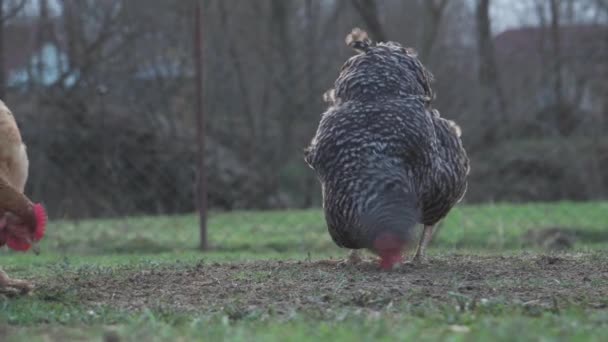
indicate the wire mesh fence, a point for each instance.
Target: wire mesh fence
{"x":104,"y":93}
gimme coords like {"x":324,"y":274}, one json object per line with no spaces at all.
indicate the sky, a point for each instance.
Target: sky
{"x":505,"y":14}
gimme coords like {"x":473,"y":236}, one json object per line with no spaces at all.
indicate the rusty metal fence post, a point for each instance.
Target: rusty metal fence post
{"x":201,"y":184}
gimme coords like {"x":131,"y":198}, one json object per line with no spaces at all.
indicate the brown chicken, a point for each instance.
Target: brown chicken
{"x":22,"y":222}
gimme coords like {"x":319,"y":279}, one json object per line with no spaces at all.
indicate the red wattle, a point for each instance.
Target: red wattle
{"x":41,"y":220}
{"x":17,"y":244}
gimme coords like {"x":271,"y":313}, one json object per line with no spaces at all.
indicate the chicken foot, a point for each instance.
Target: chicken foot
{"x":425,"y":239}
{"x":11,"y":286}
{"x":354,"y":258}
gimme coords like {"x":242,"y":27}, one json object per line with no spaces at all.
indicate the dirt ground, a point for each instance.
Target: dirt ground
{"x":282,"y":287}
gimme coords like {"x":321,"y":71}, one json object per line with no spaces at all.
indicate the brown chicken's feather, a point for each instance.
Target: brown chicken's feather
{"x":16,"y":210}
{"x":16,"y":203}
{"x":13,"y":170}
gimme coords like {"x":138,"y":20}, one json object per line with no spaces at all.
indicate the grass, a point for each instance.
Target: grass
{"x":118,"y":247}
{"x":570,"y":326}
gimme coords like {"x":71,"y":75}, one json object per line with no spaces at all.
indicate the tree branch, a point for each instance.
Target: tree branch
{"x":12,"y":12}
{"x":368,"y":10}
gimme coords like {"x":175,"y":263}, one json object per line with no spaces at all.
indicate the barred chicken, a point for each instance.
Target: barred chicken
{"x":22,"y":223}
{"x":385,"y":158}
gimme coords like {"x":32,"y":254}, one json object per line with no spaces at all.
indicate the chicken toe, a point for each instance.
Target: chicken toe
{"x":425,"y":239}
{"x":354,"y":258}
{"x":12,"y":286}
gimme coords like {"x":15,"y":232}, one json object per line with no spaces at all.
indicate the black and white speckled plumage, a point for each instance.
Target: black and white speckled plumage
{"x":385,"y":159}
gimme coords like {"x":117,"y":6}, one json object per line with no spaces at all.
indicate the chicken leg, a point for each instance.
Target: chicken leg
{"x":425,"y":239}
{"x":13,"y":286}
{"x":354,"y":258}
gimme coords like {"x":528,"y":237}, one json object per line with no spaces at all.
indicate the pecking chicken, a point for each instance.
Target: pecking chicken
{"x":385,"y":158}
{"x":22,"y":222}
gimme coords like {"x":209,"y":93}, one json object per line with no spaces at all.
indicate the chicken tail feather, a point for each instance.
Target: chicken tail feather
{"x":358,"y":40}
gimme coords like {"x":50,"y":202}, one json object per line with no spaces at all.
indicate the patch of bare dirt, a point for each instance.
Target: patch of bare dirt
{"x":553,"y":238}
{"x":282,"y":287}
{"x":562,"y":238}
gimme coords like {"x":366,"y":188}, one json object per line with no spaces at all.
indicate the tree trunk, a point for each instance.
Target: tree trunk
{"x":43,"y":37}
{"x":309,"y":179}
{"x":557,"y":59}
{"x":368,"y":10}
{"x":4,"y":17}
{"x":433,"y":12}
{"x":287,"y":84}
{"x":493,"y":104}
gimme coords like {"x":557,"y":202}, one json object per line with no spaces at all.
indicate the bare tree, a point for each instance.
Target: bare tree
{"x":284,"y":78}
{"x":557,"y":56}
{"x":434,"y":10}
{"x":266,"y":63}
{"x":492,"y":97}
{"x":4,"y":17}
{"x":368,"y":10}
{"x":44,"y":34}
{"x":311,"y":24}
{"x":241,"y":76}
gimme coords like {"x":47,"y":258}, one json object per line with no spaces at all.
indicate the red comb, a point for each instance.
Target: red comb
{"x":41,"y":219}
{"x":389,"y":248}
{"x":388,"y":261}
